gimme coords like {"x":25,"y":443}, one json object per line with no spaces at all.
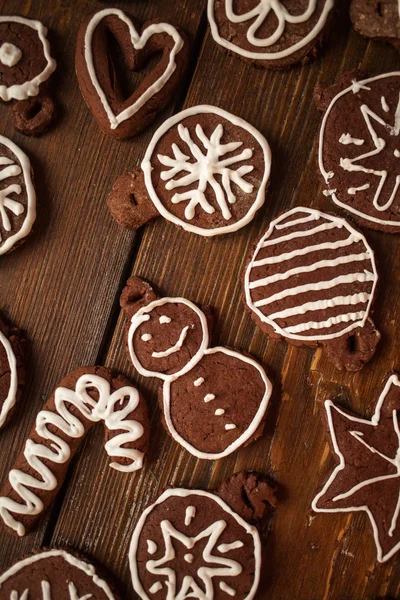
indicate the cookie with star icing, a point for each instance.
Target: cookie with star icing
{"x":270,"y":33}
{"x":377,"y":20}
{"x":56,"y":573}
{"x":214,"y":399}
{"x":191,"y":543}
{"x":359,"y":148}
{"x":12,"y":371}
{"x":367,"y":473}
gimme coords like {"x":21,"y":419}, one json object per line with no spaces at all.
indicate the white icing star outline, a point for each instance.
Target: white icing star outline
{"x":374,"y":422}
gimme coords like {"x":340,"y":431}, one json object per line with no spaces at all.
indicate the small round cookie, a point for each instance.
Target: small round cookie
{"x":12,"y":372}
{"x":359,"y":148}
{"x":270,"y":33}
{"x":205,"y":170}
{"x":117,"y":115}
{"x":311,"y":279}
{"x":190,"y":543}
{"x":56,"y":573}
{"x":377,"y":20}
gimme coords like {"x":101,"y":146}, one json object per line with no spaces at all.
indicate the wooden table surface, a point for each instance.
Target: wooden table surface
{"x":62,"y":288}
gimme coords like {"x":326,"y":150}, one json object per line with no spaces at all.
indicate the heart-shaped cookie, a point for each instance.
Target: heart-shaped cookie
{"x":98,"y":80}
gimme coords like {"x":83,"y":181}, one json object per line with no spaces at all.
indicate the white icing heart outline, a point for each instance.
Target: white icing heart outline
{"x":138,"y":43}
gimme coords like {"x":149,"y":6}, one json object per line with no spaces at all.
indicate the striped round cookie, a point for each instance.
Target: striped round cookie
{"x":310,"y":278}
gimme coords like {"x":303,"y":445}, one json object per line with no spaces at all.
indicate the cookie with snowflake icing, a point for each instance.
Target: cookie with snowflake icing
{"x":190,"y":543}
{"x":311,"y":279}
{"x":270,"y":33}
{"x":213,"y":399}
{"x":377,"y":20}
{"x":204,"y":170}
{"x":367,"y":473}
{"x":359,"y":148}
{"x":56,"y":573}
{"x":17,"y":196}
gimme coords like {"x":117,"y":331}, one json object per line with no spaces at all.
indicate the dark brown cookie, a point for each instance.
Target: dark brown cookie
{"x":99,"y":80}
{"x":249,"y":494}
{"x":214,"y":399}
{"x":12,"y":371}
{"x":190,"y":543}
{"x":367,"y":476}
{"x":359,"y":148}
{"x":270,"y":34}
{"x":86,"y":396}
{"x":34,"y":116}
{"x":311,"y":279}
{"x":377,"y":19}
{"x":205,"y":170}
{"x":58,"y":573}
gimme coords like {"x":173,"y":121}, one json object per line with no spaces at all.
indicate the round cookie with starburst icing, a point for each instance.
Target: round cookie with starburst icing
{"x":270,"y":33}
{"x":56,"y":573}
{"x":359,"y":148}
{"x":190,"y":543}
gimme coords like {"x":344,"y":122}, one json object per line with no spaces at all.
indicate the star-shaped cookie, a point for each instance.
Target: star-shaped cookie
{"x":367,"y":476}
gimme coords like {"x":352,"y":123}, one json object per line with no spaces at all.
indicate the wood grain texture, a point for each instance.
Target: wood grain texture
{"x":63,"y":288}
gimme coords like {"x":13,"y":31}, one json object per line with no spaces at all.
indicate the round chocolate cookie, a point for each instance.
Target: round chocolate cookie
{"x":270,"y":33}
{"x":214,"y":399}
{"x":377,"y":19}
{"x":311,"y":279}
{"x":99,"y":79}
{"x":12,"y":372}
{"x":207,"y":170}
{"x":57,"y":574}
{"x":359,"y":149}
{"x":190,"y":543}
{"x":17,"y":196}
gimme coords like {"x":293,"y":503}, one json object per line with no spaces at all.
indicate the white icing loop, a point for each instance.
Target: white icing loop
{"x":11,"y":398}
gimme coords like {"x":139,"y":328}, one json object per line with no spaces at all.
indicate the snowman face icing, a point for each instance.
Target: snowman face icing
{"x":167,"y":337}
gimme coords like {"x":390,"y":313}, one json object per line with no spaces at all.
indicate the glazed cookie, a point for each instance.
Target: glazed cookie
{"x":367,"y":476}
{"x":86,"y":396}
{"x":17,"y":198}
{"x":359,"y":148}
{"x":377,"y":20}
{"x":25,"y":66}
{"x":56,"y":573}
{"x":190,"y":543}
{"x":311,"y":279}
{"x":12,"y":372}
{"x":98,"y":79}
{"x":213,"y":399}
{"x":270,"y":33}
{"x":204,"y":170}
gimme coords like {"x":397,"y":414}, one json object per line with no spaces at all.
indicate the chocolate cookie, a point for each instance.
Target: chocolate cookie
{"x":190,"y":543}
{"x":86,"y":396}
{"x":25,"y":65}
{"x":359,"y":148}
{"x":205,"y":170}
{"x":56,"y":573}
{"x":270,"y":33}
{"x":213,"y":399}
{"x":377,"y":19}
{"x":99,"y":81}
{"x":18,"y":196}
{"x":311,"y":279}
{"x":12,"y":372}
{"x":367,"y":475}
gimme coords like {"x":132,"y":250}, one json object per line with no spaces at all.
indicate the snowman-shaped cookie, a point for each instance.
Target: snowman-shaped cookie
{"x":213,"y":399}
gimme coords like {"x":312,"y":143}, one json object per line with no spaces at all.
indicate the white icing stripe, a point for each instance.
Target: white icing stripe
{"x":198,"y":381}
{"x":227,"y":589}
{"x":321,"y":305}
{"x":299,"y":234}
{"x":321,"y":264}
{"x":156,"y":587}
{"x":260,"y":13}
{"x":321,"y":285}
{"x":189,"y":515}
{"x":360,"y":188}
{"x":138,"y":43}
{"x":215,"y":529}
{"x":374,"y":422}
{"x":58,"y":451}
{"x":11,"y":398}
{"x":228,"y":547}
{"x":328,"y":323}
{"x":384,"y":104}
{"x":151,"y":547}
{"x":352,"y":239}
{"x":294,"y":222}
{"x":173,"y":348}
{"x":346,"y":139}
{"x":74,"y":562}
{"x":29,"y":88}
